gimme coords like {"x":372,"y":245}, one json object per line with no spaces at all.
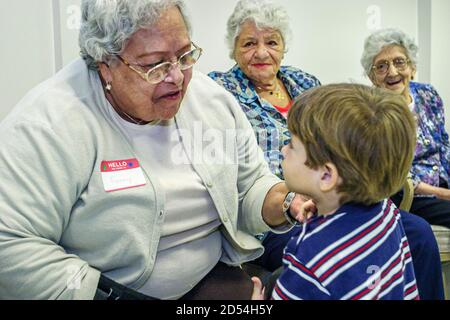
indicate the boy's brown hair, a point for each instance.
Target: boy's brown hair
{"x":369,"y":134}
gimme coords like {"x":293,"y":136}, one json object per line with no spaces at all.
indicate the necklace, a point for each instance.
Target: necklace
{"x":119,"y":110}
{"x":277,"y":92}
{"x":138,"y":122}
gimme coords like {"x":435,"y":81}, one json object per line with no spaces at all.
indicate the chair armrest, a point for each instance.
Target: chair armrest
{"x":408,"y":195}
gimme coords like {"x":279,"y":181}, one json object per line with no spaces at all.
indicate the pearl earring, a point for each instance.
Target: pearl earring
{"x":108,"y":87}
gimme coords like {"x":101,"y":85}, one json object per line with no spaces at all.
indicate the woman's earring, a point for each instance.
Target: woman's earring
{"x":108,"y":87}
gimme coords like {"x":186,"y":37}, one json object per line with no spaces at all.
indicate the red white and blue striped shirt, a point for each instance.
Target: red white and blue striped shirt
{"x":359,"y":252}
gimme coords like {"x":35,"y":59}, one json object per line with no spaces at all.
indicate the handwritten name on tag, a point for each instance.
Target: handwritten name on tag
{"x":122,"y":174}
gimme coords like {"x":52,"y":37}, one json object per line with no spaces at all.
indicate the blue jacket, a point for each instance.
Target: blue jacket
{"x":432,"y":156}
{"x":268,"y":123}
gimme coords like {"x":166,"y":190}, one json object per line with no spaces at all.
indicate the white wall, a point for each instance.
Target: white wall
{"x":440,"y":52}
{"x":26,"y":54}
{"x":70,"y":19}
{"x":327,"y":38}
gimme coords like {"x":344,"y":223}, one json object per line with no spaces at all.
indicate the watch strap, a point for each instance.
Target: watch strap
{"x":286,"y":208}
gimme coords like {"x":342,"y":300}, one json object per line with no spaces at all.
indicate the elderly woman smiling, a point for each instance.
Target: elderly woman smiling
{"x":390,"y":60}
{"x":257,"y":36}
{"x":93,"y":201}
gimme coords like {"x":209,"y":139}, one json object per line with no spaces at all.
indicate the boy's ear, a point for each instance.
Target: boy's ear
{"x":329,"y":177}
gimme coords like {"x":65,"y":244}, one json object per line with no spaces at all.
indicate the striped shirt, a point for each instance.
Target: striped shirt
{"x":359,"y":252}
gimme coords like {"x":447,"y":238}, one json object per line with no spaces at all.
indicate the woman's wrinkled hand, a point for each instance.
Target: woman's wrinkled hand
{"x":307,"y":210}
{"x":302,"y":208}
{"x":429,"y":190}
{"x":443,"y":194}
{"x":258,"y":289}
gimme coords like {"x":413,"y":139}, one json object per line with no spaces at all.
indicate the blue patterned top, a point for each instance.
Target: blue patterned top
{"x":432,"y":155}
{"x":268,"y":123}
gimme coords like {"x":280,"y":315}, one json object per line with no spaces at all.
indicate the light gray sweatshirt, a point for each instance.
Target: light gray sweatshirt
{"x":59,"y":228}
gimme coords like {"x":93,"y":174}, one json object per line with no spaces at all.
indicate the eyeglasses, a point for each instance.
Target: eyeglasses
{"x":159,"y":72}
{"x":382,"y":67}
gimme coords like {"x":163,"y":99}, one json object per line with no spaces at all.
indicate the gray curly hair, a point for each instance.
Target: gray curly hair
{"x":264,"y":13}
{"x":106,"y":25}
{"x":375,"y":42}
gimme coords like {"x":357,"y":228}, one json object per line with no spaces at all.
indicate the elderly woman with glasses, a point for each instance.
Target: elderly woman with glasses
{"x":106,"y":188}
{"x":390,"y":60}
{"x":257,"y":36}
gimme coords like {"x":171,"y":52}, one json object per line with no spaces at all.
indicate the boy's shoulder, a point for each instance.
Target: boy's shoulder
{"x":332,"y":234}
{"x":340,"y":253}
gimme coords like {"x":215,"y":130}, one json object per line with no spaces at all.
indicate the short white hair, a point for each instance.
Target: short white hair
{"x":106,"y":25}
{"x":382,"y":38}
{"x":264,"y":13}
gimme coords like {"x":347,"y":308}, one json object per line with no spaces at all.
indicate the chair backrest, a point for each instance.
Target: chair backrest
{"x":408,"y":195}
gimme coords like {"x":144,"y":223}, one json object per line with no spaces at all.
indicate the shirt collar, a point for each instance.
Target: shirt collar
{"x":246,"y":90}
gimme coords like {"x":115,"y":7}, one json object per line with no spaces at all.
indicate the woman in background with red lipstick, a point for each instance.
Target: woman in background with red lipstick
{"x":257,"y":36}
{"x":389,"y":60}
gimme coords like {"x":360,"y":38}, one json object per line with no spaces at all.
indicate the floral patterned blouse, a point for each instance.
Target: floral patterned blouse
{"x":432,"y":156}
{"x":269,"y":124}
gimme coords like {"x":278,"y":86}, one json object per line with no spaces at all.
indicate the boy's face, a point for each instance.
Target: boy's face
{"x":299,"y":177}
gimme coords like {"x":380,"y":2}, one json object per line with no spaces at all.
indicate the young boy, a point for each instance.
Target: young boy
{"x":352,"y":147}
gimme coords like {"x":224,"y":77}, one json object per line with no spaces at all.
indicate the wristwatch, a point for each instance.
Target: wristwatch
{"x":286,"y":208}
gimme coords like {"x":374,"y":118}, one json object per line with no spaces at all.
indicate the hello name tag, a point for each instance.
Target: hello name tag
{"x":122,"y":174}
